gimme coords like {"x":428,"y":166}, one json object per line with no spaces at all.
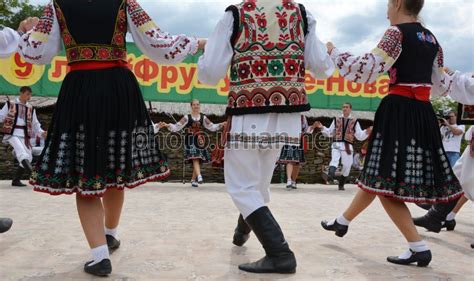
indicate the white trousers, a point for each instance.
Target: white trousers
{"x":248,"y":174}
{"x":464,"y":172}
{"x":347,"y":161}
{"x":20,"y":149}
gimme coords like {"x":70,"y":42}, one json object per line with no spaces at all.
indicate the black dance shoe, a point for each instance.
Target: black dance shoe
{"x":421,"y":258}
{"x":5,"y":224}
{"x":18,"y":183}
{"x":450,"y":225}
{"x":112,"y":243}
{"x":340,"y":229}
{"x":103,"y":268}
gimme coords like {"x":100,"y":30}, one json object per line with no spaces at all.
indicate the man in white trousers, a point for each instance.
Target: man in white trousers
{"x":344,"y":130}
{"x":266,"y":98}
{"x":8,"y":45}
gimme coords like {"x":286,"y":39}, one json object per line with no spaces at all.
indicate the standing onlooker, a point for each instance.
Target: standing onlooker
{"x":452,"y":137}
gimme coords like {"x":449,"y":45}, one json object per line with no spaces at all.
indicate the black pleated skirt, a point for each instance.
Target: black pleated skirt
{"x":100,"y":137}
{"x":406,"y":159}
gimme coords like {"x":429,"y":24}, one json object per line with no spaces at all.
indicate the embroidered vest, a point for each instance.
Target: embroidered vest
{"x":11,"y":119}
{"x":415,"y":63}
{"x":345,"y":131}
{"x":106,"y":42}
{"x":268,"y":67}
{"x":193,"y":127}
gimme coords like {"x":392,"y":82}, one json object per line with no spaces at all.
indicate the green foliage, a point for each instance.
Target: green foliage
{"x":444,"y":104}
{"x":12,"y":12}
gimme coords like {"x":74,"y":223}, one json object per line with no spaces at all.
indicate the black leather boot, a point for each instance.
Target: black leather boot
{"x":241,"y":233}
{"x":27,"y":166}
{"x":433,"y":220}
{"x":342,"y":182}
{"x":279,"y":258}
{"x":17,"y":179}
{"x":424,"y":206}
{"x":421,"y":258}
{"x":5,"y":224}
{"x":331,"y":174}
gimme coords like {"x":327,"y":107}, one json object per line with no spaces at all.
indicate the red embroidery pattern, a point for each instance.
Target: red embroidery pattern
{"x":276,"y":96}
{"x":85,"y":52}
{"x":268,"y":72}
{"x":140,"y":17}
{"x":440,"y":57}
{"x":45,"y":25}
{"x":137,"y":14}
{"x":391,"y":42}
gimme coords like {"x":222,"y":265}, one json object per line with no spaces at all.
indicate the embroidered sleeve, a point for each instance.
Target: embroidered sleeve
{"x":317,"y":60}
{"x":9,"y":39}
{"x":462,"y":87}
{"x":470,"y":134}
{"x":328,"y":132}
{"x":360,"y":134}
{"x":211,"y":126}
{"x":3,"y":112}
{"x":214,"y":63}
{"x":36,"y":125}
{"x":368,"y":67}
{"x":180,"y":125}
{"x":458,"y":86}
{"x":42,"y":43}
{"x":160,"y":46}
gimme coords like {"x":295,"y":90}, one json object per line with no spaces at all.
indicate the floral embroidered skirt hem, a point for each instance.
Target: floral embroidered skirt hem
{"x":292,"y":154}
{"x":193,"y":152}
{"x":406,"y":159}
{"x":100,"y":137}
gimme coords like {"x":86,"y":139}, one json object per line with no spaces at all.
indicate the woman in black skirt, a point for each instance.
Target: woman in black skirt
{"x":195,"y":144}
{"x":100,"y":140}
{"x":293,"y":156}
{"x":406,"y":161}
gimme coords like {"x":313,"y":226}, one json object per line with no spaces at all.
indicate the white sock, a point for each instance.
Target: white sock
{"x":342,"y":220}
{"x":199,"y":178}
{"x":419,"y":246}
{"x":407,"y":254}
{"x":112,"y":232}
{"x":451,"y":216}
{"x":289,"y":182}
{"x":100,"y":253}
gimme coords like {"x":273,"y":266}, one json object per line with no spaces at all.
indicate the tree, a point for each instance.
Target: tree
{"x":444,"y":104}
{"x":12,"y":12}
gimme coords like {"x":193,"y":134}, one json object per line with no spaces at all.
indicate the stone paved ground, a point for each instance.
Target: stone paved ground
{"x":172,"y":232}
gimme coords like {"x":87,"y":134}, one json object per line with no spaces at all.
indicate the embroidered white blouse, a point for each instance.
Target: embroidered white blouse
{"x":8,"y":41}
{"x":206,"y":122}
{"x":40,"y":45}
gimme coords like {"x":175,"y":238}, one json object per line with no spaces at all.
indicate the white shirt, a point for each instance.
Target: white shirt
{"x":451,"y":142}
{"x":463,"y":88}
{"x":214,"y":64}
{"x":156,"y":47}
{"x":9,"y":39}
{"x":184,"y":121}
{"x":360,"y":134}
{"x":36,"y":125}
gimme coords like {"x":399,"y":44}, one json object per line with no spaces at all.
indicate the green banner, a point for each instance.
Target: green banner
{"x":179,"y":83}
